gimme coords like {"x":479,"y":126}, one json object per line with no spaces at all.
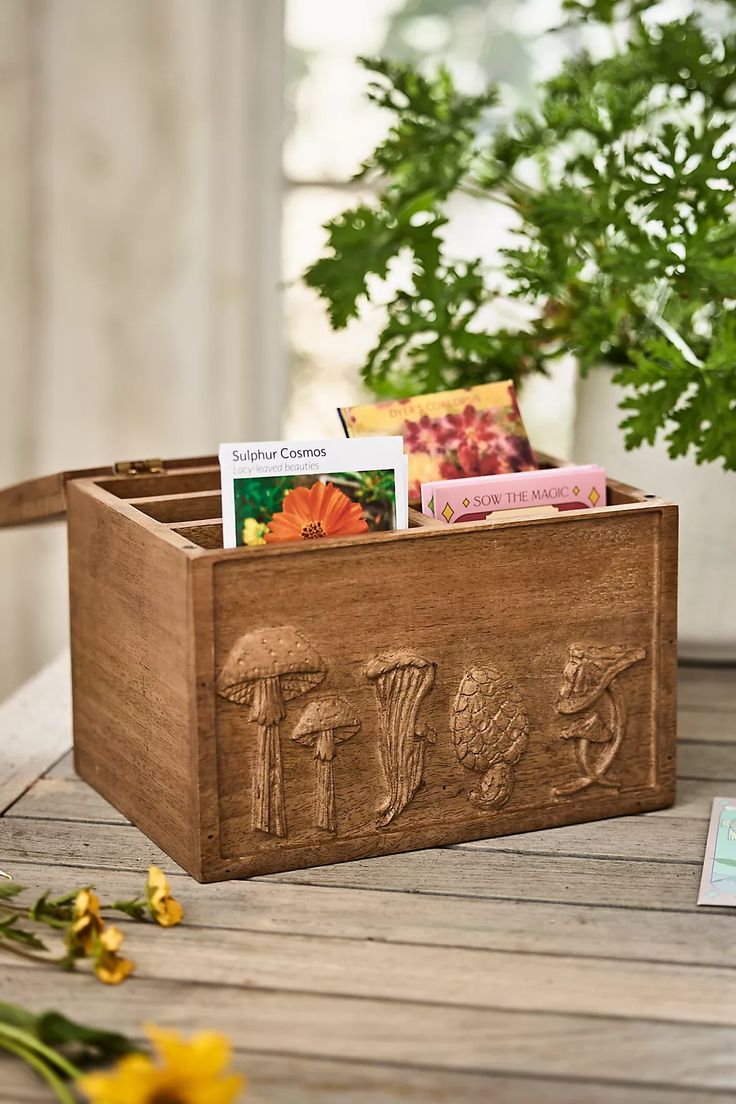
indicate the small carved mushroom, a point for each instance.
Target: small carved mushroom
{"x":325,"y":722}
{"x":589,"y":679}
{"x":592,"y":728}
{"x":589,"y":672}
{"x":263,"y":671}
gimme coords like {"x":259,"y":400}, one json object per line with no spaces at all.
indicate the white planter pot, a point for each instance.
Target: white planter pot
{"x":706,"y":496}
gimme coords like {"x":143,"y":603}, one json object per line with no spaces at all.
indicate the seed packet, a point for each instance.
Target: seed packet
{"x":577,"y":487}
{"x":718,"y":881}
{"x":451,"y":434}
{"x":274,"y":491}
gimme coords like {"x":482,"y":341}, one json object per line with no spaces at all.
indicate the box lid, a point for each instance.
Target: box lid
{"x":44,"y":498}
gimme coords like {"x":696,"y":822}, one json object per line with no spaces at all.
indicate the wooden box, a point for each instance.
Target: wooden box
{"x":257,"y":710}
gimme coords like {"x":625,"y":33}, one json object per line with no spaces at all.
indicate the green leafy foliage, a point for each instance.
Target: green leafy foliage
{"x":11,"y":933}
{"x":136,"y":909}
{"x":605,"y":11}
{"x":428,"y":111}
{"x":696,"y":405}
{"x":260,"y":498}
{"x":622,"y":180}
{"x":85,"y":1044}
{"x":432,"y":147}
{"x":54,"y":911}
{"x":88,"y":1044}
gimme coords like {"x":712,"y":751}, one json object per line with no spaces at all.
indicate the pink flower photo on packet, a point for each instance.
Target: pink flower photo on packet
{"x":452,"y":434}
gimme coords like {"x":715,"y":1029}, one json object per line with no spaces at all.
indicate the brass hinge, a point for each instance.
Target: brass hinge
{"x":138,"y":467}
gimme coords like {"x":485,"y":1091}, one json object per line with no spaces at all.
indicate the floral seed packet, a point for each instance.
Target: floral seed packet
{"x":452,"y":434}
{"x":718,"y":881}
{"x":274,"y":491}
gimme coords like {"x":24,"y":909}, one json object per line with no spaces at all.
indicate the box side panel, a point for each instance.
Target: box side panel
{"x":132,"y":688}
{"x":665,"y":720}
{"x":502,"y":681}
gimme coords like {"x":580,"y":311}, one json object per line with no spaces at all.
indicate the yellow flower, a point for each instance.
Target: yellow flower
{"x":86,"y":923}
{"x":110,"y":967}
{"x":192,"y":1072}
{"x":254,"y":532}
{"x":164,"y":908}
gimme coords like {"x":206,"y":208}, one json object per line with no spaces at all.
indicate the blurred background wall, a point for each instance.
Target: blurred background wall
{"x":165,"y":170}
{"x":139,"y":267}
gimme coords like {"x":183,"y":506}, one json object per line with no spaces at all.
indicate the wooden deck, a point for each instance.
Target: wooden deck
{"x":568,"y":966}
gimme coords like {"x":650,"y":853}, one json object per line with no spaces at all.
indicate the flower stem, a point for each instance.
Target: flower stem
{"x":25,"y":913}
{"x":5,"y":945}
{"x":23,"y":1039}
{"x":63,"y":1095}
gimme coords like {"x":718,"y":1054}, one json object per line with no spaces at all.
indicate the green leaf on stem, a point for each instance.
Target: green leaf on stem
{"x":10,"y":932}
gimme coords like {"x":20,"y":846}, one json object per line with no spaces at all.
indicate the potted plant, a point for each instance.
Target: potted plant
{"x":620,"y":183}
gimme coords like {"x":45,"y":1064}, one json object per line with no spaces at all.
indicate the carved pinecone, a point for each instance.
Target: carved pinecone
{"x":488,"y":721}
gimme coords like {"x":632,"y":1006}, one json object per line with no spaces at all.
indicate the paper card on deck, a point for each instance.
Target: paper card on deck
{"x":718,"y":880}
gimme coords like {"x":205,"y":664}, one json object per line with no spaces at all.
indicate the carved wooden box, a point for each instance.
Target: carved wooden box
{"x":257,"y":710}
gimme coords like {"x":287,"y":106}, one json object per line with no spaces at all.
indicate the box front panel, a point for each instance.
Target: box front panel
{"x":381,"y":697}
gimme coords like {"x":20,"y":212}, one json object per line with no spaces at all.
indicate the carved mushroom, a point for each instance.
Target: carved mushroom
{"x":402,"y":680}
{"x":588,"y":679}
{"x":325,"y":722}
{"x":490,"y":732}
{"x":265,"y":669}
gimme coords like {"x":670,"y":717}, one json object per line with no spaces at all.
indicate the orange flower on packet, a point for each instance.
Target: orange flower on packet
{"x":315,"y":512}
{"x":276,"y":491}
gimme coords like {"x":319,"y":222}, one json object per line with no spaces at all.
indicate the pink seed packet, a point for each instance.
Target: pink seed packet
{"x":581,"y":487}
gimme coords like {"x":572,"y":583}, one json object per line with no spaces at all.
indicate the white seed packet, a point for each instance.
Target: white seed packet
{"x":718,"y":881}
{"x":275,"y":491}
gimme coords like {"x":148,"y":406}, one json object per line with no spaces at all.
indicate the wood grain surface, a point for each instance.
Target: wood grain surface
{"x":566,"y":966}
{"x":465,"y":730}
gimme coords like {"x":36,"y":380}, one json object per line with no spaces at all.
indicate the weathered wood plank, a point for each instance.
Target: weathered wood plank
{"x":117,"y":846}
{"x":507,"y":875}
{"x":455,"y":871}
{"x":661,"y":839}
{"x":35,"y":729}
{"x":448,"y":976}
{"x":706,"y":727}
{"x":605,"y":1048}
{"x":706,"y":689}
{"x":694,"y":798}
{"x":709,"y":761}
{"x":666,"y":838}
{"x":63,"y":768}
{"x":538,"y":927}
{"x":60,"y":798}
{"x":290,"y":1080}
